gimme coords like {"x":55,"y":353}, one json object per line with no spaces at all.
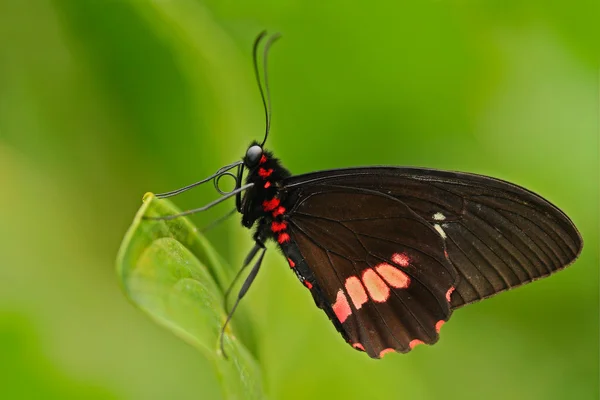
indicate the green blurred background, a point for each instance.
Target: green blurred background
{"x":101,"y":101}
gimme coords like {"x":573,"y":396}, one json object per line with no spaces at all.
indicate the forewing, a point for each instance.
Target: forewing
{"x":497,"y":235}
{"x":379,"y":270}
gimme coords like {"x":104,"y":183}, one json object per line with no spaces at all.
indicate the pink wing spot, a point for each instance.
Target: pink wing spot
{"x":449,"y":293}
{"x":308,"y":284}
{"x":377,"y":288}
{"x":439,"y":325}
{"x":356,"y":291}
{"x":386,"y":351}
{"x":267,"y":184}
{"x":278,"y":226}
{"x":278,"y":211}
{"x":414,"y":343}
{"x":263,"y":159}
{"x":283,"y":237}
{"x":341,"y":308}
{"x":401,"y":259}
{"x":358,"y":346}
{"x":265,"y":173}
{"x":292,"y":263}
{"x":393,"y":276}
{"x":270,"y":205}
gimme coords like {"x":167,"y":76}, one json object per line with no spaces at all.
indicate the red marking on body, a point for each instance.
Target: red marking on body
{"x":446,"y":253}
{"x":270,"y":205}
{"x":267,"y":184}
{"x":308,"y":284}
{"x":439,"y":325}
{"x":377,"y":288}
{"x":265,"y":173}
{"x":278,"y":211}
{"x":356,"y":291}
{"x":263,"y":159}
{"x":341,"y":308}
{"x":393,"y":276}
{"x":414,"y":343}
{"x":358,"y":346}
{"x":401,"y":259}
{"x":449,"y":293}
{"x":385,"y":351}
{"x":278,"y":226}
{"x":283,"y":238}
{"x":292,"y":263}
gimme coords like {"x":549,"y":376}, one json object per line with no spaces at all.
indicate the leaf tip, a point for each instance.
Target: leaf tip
{"x":148,"y":196}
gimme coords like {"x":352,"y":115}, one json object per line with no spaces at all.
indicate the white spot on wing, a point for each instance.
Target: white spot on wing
{"x":438,"y":216}
{"x":440,"y":231}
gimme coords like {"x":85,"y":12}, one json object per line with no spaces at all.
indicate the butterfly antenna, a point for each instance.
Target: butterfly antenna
{"x":265,"y":94}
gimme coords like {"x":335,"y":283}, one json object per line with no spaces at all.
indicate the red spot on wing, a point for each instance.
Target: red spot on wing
{"x":308,"y":284}
{"x":446,"y":253}
{"x":377,"y":288}
{"x":358,"y":346}
{"x":414,"y":343}
{"x":356,"y":291}
{"x":283,"y":237}
{"x":278,"y":226}
{"x":385,"y":351}
{"x":270,"y":205}
{"x":263,"y":159}
{"x":265,"y":173}
{"x":292,"y":263}
{"x":449,"y":293}
{"x":278,"y":211}
{"x":439,"y":324}
{"x":393,"y":276}
{"x":267,"y":185}
{"x":341,"y":308}
{"x":401,"y":259}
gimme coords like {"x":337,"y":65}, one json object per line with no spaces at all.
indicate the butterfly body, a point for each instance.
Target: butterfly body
{"x":267,"y":205}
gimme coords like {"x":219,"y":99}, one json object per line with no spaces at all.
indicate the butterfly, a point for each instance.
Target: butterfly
{"x":388,"y":253}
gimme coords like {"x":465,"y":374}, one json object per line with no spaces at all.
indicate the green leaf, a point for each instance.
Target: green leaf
{"x":171,"y":272}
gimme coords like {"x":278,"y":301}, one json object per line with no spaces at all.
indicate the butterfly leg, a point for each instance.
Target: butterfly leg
{"x":258,"y":246}
{"x":218,"y":221}
{"x":247,"y":260}
{"x":233,"y":193}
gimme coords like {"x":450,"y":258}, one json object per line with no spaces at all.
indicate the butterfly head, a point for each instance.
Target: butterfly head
{"x":253,"y":156}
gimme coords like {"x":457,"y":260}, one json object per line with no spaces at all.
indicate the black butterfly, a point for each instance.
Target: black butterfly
{"x":389,"y":252}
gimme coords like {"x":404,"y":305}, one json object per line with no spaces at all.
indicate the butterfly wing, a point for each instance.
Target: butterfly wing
{"x":391,"y":251}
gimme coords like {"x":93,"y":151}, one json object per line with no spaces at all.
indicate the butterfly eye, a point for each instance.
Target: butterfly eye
{"x":253,"y":156}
